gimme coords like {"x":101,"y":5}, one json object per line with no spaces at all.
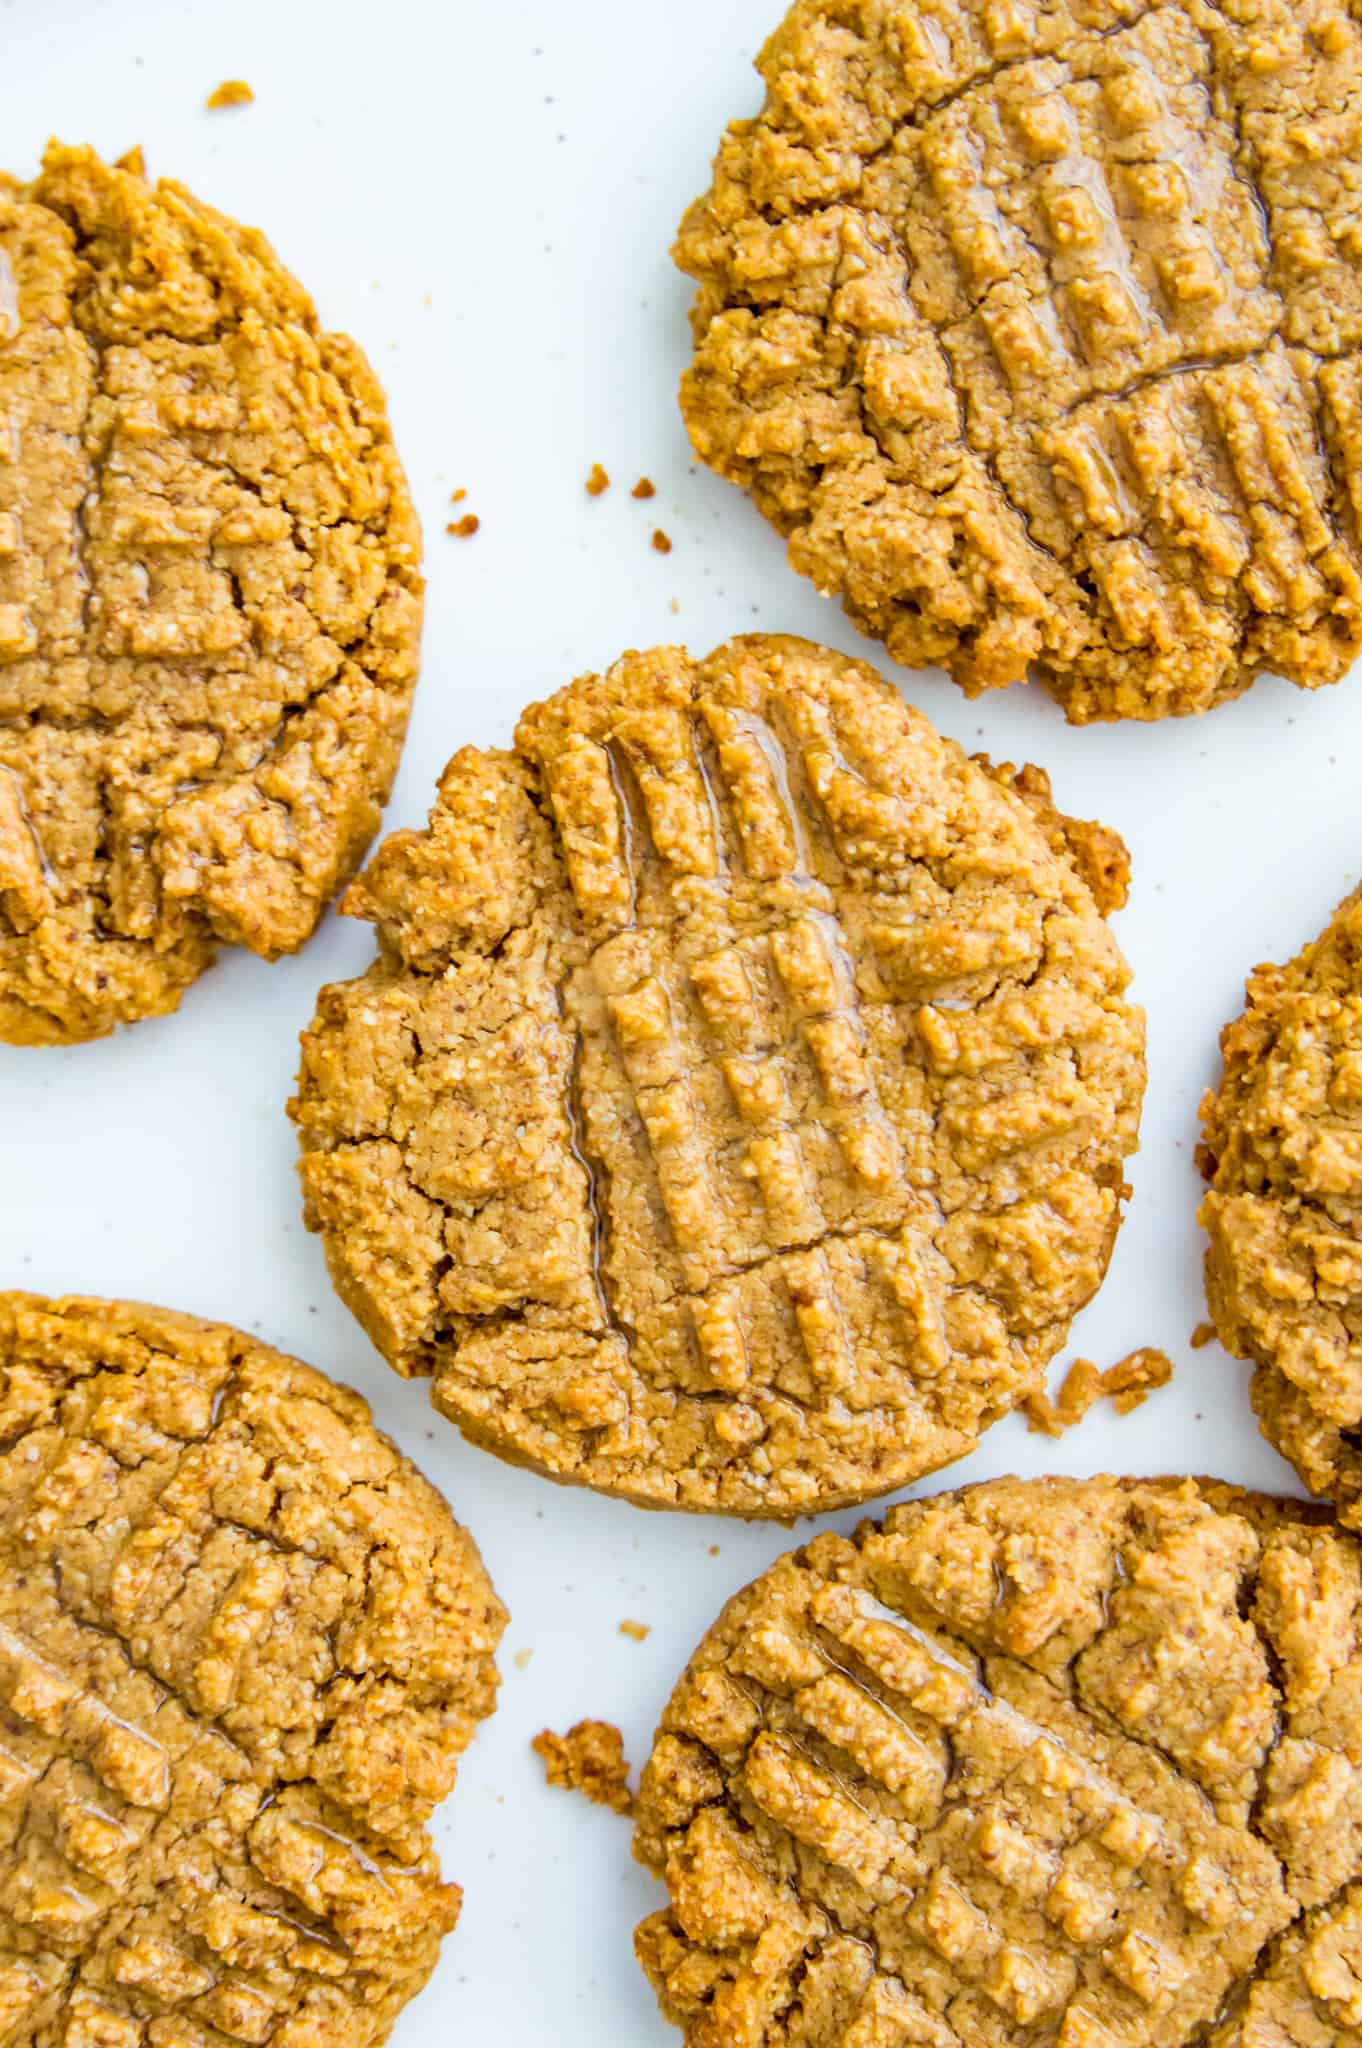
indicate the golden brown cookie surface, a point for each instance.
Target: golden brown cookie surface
{"x":210,"y":599}
{"x":1034,"y":328}
{"x":1069,"y":1763}
{"x":1282,"y":1149}
{"x":734,"y":1117}
{"x":242,"y":1645}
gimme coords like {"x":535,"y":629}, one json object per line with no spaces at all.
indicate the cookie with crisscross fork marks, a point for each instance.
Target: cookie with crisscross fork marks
{"x":242,"y":1646}
{"x":734,"y":1117}
{"x":210,"y":599}
{"x":1068,"y":1764}
{"x":1035,"y":328}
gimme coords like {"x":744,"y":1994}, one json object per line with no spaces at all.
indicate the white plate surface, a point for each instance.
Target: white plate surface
{"x":484,"y":192}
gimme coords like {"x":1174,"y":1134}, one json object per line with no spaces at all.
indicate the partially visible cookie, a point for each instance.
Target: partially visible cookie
{"x":242,"y":1646}
{"x":1064,"y":1763}
{"x":1034,"y":328}
{"x":210,"y":599}
{"x":1282,"y":1150}
{"x":735,"y":1114}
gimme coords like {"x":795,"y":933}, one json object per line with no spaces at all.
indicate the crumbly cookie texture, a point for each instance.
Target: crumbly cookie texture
{"x":1068,"y":1763}
{"x":734,"y":1116}
{"x":1035,"y":328}
{"x":242,"y":1646}
{"x":210,"y":599}
{"x":1282,"y":1150}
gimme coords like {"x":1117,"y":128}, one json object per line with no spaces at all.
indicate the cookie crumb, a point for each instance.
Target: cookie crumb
{"x":1201,"y":1336}
{"x":522,"y":1659}
{"x":457,"y":497}
{"x":1127,"y":1384}
{"x":597,"y":482}
{"x":589,"y":1759}
{"x":637,"y":1631}
{"x":644,"y":488}
{"x":466,"y":527}
{"x":714,"y":1550}
{"x":661,"y":541}
{"x":233,"y":92}
{"x":1041,"y":1418}
{"x":1133,"y":1378}
{"x":133,"y":161}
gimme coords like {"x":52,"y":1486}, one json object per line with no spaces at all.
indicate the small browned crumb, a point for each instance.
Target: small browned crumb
{"x":661,"y":541}
{"x":638,"y":1631}
{"x":522,"y":1659}
{"x":133,"y":161}
{"x":1201,"y":1336}
{"x":589,"y":1759}
{"x":1127,"y":1384}
{"x":676,"y":604}
{"x":457,"y":497}
{"x":1133,"y":1378}
{"x":466,"y":527}
{"x":1039,"y":1410}
{"x":1082,"y":1387}
{"x":644,"y":488}
{"x":233,"y":92}
{"x":714,"y":1550}
{"x":597,"y":482}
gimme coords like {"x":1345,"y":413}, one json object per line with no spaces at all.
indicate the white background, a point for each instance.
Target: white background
{"x":484,"y":192}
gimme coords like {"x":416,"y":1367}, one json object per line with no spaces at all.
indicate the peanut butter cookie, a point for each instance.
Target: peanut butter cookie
{"x":210,"y":600}
{"x":734,"y":1116}
{"x":1282,"y":1150}
{"x":1035,"y":329}
{"x":242,"y":1645}
{"x":1064,"y":1763}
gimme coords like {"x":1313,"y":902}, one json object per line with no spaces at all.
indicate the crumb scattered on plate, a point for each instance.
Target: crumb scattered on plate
{"x":661,"y":541}
{"x":644,"y":488}
{"x":598,"y":481}
{"x":233,"y":92}
{"x":522,"y":1659}
{"x":589,"y":1759}
{"x":1202,"y":1335}
{"x":638,"y":1631}
{"x":466,"y":527}
{"x":1128,"y":1383}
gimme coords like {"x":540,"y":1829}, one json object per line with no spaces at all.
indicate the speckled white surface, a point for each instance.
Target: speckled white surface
{"x":483,"y":192}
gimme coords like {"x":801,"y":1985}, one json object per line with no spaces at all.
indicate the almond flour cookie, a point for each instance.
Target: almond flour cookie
{"x":1035,"y":329}
{"x":734,"y":1116}
{"x":1282,"y":1150}
{"x":1064,"y":1763}
{"x":210,"y":600}
{"x":242,"y":1645}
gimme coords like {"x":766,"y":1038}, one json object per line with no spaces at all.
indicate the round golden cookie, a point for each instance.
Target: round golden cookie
{"x":210,"y":599}
{"x":1064,"y":1763}
{"x":1035,"y":329}
{"x":242,"y":1645}
{"x":734,"y":1115}
{"x":1282,"y":1150}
